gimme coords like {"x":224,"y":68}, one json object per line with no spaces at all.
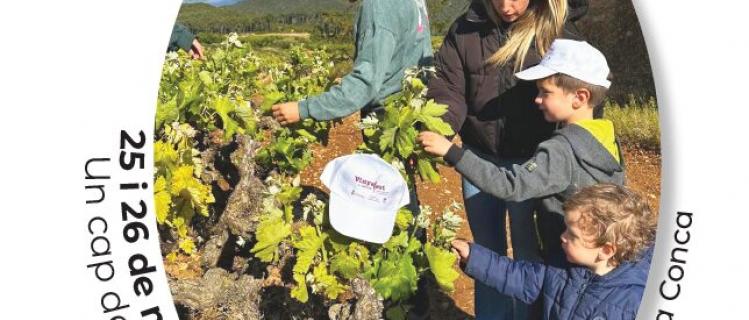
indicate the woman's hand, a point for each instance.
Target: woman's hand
{"x":196,"y":50}
{"x":434,"y":143}
{"x":462,"y":249}
{"x":286,"y":113}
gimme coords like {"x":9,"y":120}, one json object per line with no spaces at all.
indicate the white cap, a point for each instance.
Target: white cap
{"x":365,"y":195}
{"x":577,"y":59}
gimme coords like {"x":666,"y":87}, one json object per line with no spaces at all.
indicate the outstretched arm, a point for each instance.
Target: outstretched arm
{"x":375,"y":47}
{"x":548,"y":172}
{"x":183,"y":38}
{"x":196,"y":49}
{"x":519,"y":279}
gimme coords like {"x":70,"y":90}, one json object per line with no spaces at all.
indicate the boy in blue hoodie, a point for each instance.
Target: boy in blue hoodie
{"x":571,"y":80}
{"x":609,"y":236}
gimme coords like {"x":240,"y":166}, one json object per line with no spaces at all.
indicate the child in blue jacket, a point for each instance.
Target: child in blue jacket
{"x":609,"y":236}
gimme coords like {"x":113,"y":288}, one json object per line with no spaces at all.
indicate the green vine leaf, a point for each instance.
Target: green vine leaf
{"x":308,"y":243}
{"x":437,"y":125}
{"x":351,"y":262}
{"x":247,"y":117}
{"x":396,"y":312}
{"x":162,"y":200}
{"x":406,"y":142}
{"x":404,"y":219}
{"x":387,"y":139}
{"x":441,"y":263}
{"x":195,"y":195}
{"x":433,"y":109}
{"x":395,"y":277}
{"x":269,"y":234}
{"x":224,"y":108}
{"x":300,"y":291}
{"x":327,"y":283}
{"x":427,"y":172}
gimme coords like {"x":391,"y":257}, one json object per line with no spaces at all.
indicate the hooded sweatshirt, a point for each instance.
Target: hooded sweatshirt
{"x":571,"y":293}
{"x":576,"y":156}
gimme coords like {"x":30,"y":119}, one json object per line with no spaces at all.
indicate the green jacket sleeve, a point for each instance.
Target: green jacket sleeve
{"x":181,"y":38}
{"x":375,"y":47}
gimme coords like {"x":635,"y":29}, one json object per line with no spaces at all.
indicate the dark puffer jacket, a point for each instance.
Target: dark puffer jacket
{"x":492,"y":110}
{"x":575,"y":293}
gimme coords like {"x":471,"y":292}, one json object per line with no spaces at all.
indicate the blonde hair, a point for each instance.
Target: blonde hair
{"x":543,"y":22}
{"x":617,"y":215}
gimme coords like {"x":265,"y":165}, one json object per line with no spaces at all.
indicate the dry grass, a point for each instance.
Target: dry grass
{"x":636,"y":122}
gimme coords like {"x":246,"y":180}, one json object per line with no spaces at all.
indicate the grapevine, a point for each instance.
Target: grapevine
{"x":205,"y":107}
{"x":392,"y":133}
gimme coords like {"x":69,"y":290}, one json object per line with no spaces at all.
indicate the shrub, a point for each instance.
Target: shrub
{"x":635,"y":122}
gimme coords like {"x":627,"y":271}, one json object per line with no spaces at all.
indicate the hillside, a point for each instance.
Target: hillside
{"x":280,"y":7}
{"x":611,"y":26}
{"x":448,"y":9}
{"x":243,"y":16}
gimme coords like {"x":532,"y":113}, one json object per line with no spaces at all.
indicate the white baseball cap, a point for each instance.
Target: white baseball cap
{"x":365,"y":195}
{"x":577,"y":59}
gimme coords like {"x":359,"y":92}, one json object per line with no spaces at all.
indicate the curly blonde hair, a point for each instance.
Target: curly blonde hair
{"x":617,"y":215}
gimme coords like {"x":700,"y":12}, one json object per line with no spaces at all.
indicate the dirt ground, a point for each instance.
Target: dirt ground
{"x":643,"y":174}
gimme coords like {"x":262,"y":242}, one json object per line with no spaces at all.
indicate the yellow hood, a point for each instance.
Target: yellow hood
{"x":603,"y":131}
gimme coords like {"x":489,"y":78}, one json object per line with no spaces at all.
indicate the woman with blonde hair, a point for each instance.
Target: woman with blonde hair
{"x":496,"y":117}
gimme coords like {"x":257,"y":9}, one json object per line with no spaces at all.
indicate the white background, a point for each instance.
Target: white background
{"x":73,"y":73}
{"x":698,"y":54}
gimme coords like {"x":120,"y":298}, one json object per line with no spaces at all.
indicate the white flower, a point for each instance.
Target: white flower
{"x":240,"y":241}
{"x":274,"y":189}
{"x":233,"y":39}
{"x":315,"y":287}
{"x":422,"y":220}
{"x":314,"y":205}
{"x":452,"y":221}
{"x":172,"y":56}
{"x":318,"y":218}
{"x":411,"y":72}
{"x":185,"y":130}
{"x":370,"y":121}
{"x":398,"y":165}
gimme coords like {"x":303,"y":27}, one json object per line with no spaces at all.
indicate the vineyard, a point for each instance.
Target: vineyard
{"x":242,"y":237}
{"x":242,"y":213}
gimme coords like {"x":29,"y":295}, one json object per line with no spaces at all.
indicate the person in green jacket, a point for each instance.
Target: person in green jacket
{"x":391,"y":35}
{"x":183,"y":38}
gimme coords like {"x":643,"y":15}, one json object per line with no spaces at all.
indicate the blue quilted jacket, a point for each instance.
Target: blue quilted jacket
{"x":572,"y":293}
